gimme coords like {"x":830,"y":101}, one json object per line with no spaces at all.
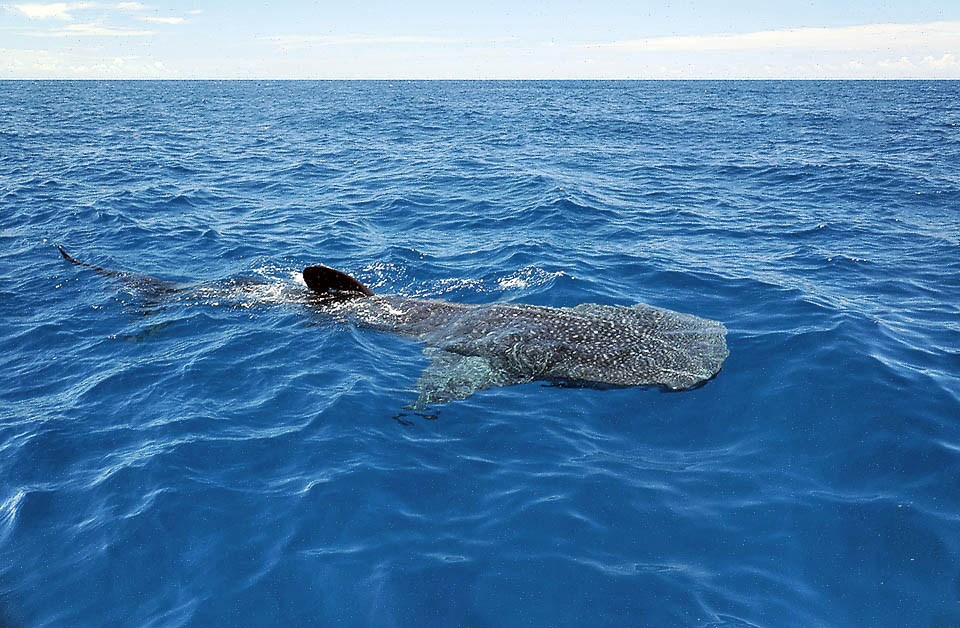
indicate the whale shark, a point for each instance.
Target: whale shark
{"x":474,"y":347}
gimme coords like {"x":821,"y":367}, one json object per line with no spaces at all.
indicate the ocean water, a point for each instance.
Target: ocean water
{"x":240,"y":462}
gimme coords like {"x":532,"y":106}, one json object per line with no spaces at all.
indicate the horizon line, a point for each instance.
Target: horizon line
{"x":860,"y":79}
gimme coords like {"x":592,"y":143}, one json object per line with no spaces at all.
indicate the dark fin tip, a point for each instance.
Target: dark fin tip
{"x":325,"y":280}
{"x":68,"y":258}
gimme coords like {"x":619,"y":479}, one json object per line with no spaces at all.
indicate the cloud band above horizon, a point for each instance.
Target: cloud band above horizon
{"x":183,"y":40}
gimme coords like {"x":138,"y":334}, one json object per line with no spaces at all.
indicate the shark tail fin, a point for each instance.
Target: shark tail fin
{"x":99,"y":269}
{"x":142,"y":283}
{"x":327,"y":281}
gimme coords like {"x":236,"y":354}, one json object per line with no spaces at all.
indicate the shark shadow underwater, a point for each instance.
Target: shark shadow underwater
{"x":476,"y":347}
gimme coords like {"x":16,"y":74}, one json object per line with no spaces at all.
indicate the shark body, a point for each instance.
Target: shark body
{"x":475,"y":347}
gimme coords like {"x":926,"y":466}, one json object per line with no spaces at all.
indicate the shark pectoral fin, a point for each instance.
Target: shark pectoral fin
{"x":451,"y":376}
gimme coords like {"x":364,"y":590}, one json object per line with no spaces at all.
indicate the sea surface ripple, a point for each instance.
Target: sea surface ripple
{"x":244,"y":463}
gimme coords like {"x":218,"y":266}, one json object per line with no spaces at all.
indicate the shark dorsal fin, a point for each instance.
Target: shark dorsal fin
{"x":325,"y":280}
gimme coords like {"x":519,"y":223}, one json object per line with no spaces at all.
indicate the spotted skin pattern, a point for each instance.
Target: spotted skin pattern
{"x":475,"y":347}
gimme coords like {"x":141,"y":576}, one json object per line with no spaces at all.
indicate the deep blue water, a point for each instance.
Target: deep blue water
{"x":195,"y":464}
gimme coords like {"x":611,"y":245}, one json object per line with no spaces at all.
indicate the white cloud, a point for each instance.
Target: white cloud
{"x":946,"y":62}
{"x":89,"y":30}
{"x":195,"y":12}
{"x":163,"y":20}
{"x":300,"y":41}
{"x":16,"y":63}
{"x":933,"y":35}
{"x":61,"y":10}
{"x":946,"y":66}
{"x":58,"y":10}
{"x":904,"y":63}
{"x":395,"y":39}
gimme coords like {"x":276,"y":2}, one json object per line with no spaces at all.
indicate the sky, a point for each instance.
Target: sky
{"x":489,"y":39}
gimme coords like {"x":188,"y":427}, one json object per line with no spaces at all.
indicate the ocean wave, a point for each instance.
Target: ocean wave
{"x":240,"y":457}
